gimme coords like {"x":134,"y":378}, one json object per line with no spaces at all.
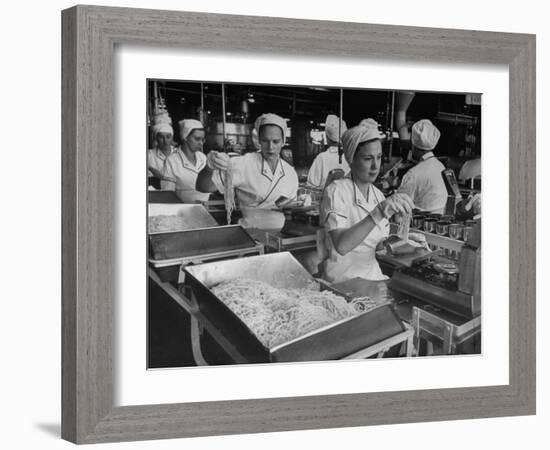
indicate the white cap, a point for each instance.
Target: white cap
{"x":271,"y":119}
{"x":425,"y":135}
{"x":162,"y":117}
{"x":162,"y":127}
{"x":188,"y":125}
{"x":369,"y":123}
{"x":332,"y":127}
{"x":355,"y":136}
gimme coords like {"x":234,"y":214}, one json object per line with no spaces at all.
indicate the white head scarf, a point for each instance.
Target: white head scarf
{"x":425,"y":135}
{"x":162,"y":117}
{"x":369,"y":123}
{"x":271,"y":119}
{"x":162,"y":127}
{"x":352,"y":138}
{"x":332,"y":127}
{"x":188,"y":125}
{"x":255,"y":139}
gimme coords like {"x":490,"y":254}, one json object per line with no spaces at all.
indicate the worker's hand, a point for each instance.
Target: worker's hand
{"x":156,"y":173}
{"x":419,"y":239}
{"x":399,"y":203}
{"x":218,"y":160}
{"x":474,"y":203}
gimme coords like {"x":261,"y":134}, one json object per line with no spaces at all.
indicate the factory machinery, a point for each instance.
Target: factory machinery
{"x":433,"y":301}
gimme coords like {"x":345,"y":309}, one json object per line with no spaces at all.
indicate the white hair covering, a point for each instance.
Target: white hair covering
{"x":162,"y":127}
{"x":332,"y":127}
{"x":425,"y":135}
{"x":355,"y":136}
{"x":188,"y":125}
{"x":271,"y":119}
{"x":369,"y":123}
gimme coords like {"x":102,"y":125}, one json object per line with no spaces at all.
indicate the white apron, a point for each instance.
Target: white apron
{"x":180,"y":175}
{"x":342,"y":207}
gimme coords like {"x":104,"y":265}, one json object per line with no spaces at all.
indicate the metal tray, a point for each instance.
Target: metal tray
{"x":282,"y":270}
{"x":194,"y":216}
{"x":200,"y":244}
{"x":163,"y":197}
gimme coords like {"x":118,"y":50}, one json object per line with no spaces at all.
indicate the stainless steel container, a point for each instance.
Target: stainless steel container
{"x":466,"y":231}
{"x":442,"y":228}
{"x":282,"y":270}
{"x":188,"y":217}
{"x":455,"y":230}
{"x":417,"y":221}
{"x":429,"y":224}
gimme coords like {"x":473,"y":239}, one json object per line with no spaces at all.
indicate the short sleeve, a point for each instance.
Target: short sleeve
{"x":408,"y":184}
{"x":334,"y":210}
{"x":314,"y":176}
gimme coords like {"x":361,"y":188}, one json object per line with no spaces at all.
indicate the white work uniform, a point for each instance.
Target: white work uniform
{"x":323,"y":164}
{"x":156,"y":158}
{"x":180,"y":175}
{"x":343,"y":206}
{"x":424,"y":184}
{"x":254,"y":183}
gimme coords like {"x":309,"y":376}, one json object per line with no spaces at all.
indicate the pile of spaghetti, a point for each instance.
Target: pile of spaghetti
{"x":277,"y":315}
{"x":163,"y":223}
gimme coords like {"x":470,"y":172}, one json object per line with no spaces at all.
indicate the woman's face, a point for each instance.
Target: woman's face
{"x":271,"y":141}
{"x":195,"y":140}
{"x":164,"y":140}
{"x":367,"y":161}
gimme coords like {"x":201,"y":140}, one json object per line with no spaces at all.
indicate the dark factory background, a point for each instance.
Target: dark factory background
{"x":457,"y":115}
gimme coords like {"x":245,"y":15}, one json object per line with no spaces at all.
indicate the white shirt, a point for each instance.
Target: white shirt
{"x":343,"y":206}
{"x":180,"y":175}
{"x":156,"y":158}
{"x":323,"y":164}
{"x":424,"y":184}
{"x":255,"y":184}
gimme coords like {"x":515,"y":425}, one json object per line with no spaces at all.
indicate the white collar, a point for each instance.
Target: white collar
{"x":161,"y":154}
{"x":266,"y":169}
{"x":427,"y":155}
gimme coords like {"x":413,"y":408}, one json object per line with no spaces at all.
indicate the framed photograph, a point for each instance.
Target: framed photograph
{"x":284,"y":225}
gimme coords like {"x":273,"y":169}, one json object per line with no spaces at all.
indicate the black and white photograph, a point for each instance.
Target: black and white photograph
{"x":311,"y":223}
{"x":258,"y":225}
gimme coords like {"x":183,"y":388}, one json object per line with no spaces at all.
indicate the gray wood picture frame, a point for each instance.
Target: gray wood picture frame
{"x":90,"y":34}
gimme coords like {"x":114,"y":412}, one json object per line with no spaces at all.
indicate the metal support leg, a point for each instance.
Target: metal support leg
{"x":196,"y":333}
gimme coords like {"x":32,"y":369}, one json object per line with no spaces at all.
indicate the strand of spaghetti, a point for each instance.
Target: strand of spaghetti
{"x":229,"y":195}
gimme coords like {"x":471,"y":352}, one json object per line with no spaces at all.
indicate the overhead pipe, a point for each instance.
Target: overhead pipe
{"x":223,"y":115}
{"x":390,"y":137}
{"x":202,"y":116}
{"x":340,"y":148}
{"x":403,"y":101}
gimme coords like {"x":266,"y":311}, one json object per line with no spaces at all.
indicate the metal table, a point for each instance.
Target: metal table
{"x":200,"y":322}
{"x":429,"y":322}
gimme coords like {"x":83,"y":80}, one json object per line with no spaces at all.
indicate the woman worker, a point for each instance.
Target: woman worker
{"x":183,"y":166}
{"x":424,"y":182}
{"x":162,"y":136}
{"x":355,"y":213}
{"x":262,"y":180}
{"x":329,"y":160}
